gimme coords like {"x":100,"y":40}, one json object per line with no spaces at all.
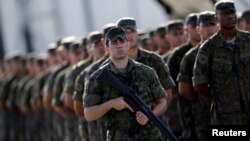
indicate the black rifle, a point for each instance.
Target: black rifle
{"x":137,"y":104}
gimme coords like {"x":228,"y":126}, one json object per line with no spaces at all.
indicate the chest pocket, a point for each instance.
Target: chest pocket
{"x":222,"y":69}
{"x":143,"y":90}
{"x":245,"y":59}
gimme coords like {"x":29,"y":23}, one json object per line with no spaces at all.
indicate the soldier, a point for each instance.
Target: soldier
{"x":221,"y":69}
{"x":183,"y":106}
{"x":152,"y":41}
{"x":77,"y":48}
{"x":162,"y":43}
{"x":13,"y":69}
{"x":175,"y":36}
{"x":62,"y":116}
{"x":16,"y":117}
{"x":53,"y":62}
{"x":207,"y":26}
{"x":3,"y":126}
{"x":71,"y":122}
{"x":239,"y":21}
{"x":144,"y":42}
{"x":148,"y":58}
{"x":118,"y":114}
{"x":89,"y":132}
{"x":40,"y":67}
{"x":246,"y":20}
{"x":56,"y":119}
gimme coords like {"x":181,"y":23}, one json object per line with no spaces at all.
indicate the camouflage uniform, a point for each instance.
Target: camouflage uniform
{"x":144,"y":81}
{"x":88,"y":129}
{"x":200,"y":103}
{"x":31,"y":119}
{"x":155,"y":61}
{"x":181,"y":120}
{"x":3,"y":97}
{"x":37,"y":96}
{"x":72,"y":75}
{"x":58,"y":101}
{"x":5,"y":122}
{"x":3,"y":116}
{"x":225,"y":67}
{"x":54,"y":117}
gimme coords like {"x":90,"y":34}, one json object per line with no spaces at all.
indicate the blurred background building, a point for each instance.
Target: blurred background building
{"x":30,"y":25}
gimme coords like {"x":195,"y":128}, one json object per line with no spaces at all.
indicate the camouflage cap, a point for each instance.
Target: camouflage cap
{"x":127,"y":22}
{"x":191,"y":19}
{"x":41,"y":61}
{"x":143,"y":40}
{"x":107,"y":27}
{"x":161,"y":30}
{"x":245,"y":15}
{"x":114,"y":34}
{"x":65,"y":43}
{"x":75,"y":46}
{"x":152,"y":33}
{"x":225,"y":6}
{"x":32,"y":56}
{"x":16,"y":56}
{"x":83,"y":42}
{"x":207,"y":18}
{"x":141,"y":32}
{"x":94,"y":37}
{"x":52,"y":48}
{"x":174,"y":24}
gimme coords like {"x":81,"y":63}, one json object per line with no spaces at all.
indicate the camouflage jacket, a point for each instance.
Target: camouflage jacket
{"x":144,"y":81}
{"x":225,"y":67}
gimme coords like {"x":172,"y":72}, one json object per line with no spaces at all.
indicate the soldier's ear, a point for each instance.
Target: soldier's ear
{"x":198,"y":29}
{"x":107,"y":48}
{"x":128,"y":45}
{"x":167,"y":37}
{"x":186,"y":30}
{"x":216,"y":17}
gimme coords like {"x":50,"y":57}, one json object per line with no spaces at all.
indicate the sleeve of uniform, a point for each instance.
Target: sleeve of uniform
{"x":155,"y":86}
{"x":164,"y":74}
{"x":79,"y":86}
{"x":201,"y":66}
{"x":186,"y":70}
{"x":92,"y":92}
{"x":57,"y":90}
{"x":69,"y":82}
{"x":173,"y":66}
{"x":50,"y":83}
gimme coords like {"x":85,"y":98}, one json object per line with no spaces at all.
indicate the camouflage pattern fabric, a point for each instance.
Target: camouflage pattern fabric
{"x":226,"y":68}
{"x":120,"y":123}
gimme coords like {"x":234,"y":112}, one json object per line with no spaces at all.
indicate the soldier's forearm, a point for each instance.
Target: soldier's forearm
{"x":78,"y":108}
{"x":97,"y":111}
{"x":160,"y":107}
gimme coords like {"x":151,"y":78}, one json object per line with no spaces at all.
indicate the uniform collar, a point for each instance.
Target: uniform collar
{"x":141,"y":54}
{"x":130,"y":66}
{"x":222,"y":43}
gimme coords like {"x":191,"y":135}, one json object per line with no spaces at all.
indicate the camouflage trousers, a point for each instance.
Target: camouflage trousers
{"x":3,"y":126}
{"x":71,"y":130}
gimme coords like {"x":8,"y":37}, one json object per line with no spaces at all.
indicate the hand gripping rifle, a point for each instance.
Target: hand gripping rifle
{"x":137,"y":104}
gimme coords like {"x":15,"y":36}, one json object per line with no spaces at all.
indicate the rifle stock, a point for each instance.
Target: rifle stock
{"x":132,"y":98}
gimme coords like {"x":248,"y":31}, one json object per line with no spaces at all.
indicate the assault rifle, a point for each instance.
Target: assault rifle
{"x":137,"y":104}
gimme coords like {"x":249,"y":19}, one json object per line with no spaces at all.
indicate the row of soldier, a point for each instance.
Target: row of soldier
{"x":42,"y":98}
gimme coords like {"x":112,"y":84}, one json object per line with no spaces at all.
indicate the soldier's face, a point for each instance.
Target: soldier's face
{"x":192,"y":33}
{"x":246,"y":24}
{"x":132,"y":36}
{"x":227,"y":20}
{"x":207,"y":30}
{"x":98,"y":49}
{"x":118,"y":49}
{"x":176,"y":37}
